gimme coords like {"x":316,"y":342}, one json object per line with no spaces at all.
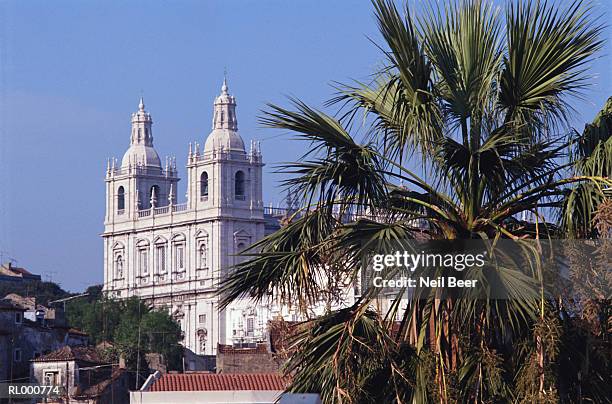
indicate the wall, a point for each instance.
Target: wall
{"x":208,"y":397}
{"x":38,"y":369}
{"x":247,"y":361}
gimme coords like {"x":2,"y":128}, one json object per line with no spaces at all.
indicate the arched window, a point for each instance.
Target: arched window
{"x":204,"y":185}
{"x":156,"y":189}
{"x":120,"y":200}
{"x":239,"y":185}
{"x":119,"y":266}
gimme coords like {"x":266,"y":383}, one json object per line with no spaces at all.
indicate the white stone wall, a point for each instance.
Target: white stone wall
{"x":223,"y":222}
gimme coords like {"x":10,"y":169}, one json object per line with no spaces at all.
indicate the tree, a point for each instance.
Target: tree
{"x":44,"y":292}
{"x":480,"y":102}
{"x":592,"y":155}
{"x":131,"y":326}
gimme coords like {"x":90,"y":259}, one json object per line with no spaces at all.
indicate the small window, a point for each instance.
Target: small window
{"x":202,"y":256}
{"x":51,"y":378}
{"x":18,"y":318}
{"x":202,"y":318}
{"x":239,"y":185}
{"x":250,"y":326}
{"x":17,"y":355}
{"x":179,"y":256}
{"x":143,"y":261}
{"x":160,"y":252}
{"x":120,"y":200}
{"x":204,"y":185}
{"x":119,"y":267}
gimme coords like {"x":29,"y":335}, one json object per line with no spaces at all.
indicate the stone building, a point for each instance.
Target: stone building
{"x":247,"y":360}
{"x":172,"y":254}
{"x":200,"y":388}
{"x":83,"y":375}
{"x":23,"y":338}
{"x":13,"y":274}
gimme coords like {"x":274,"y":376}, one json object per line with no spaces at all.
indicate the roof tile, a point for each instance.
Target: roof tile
{"x":220,"y":382}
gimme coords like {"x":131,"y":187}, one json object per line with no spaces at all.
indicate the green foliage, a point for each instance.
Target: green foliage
{"x":482,"y":99}
{"x":130,"y":325}
{"x":592,"y":155}
{"x":44,"y":292}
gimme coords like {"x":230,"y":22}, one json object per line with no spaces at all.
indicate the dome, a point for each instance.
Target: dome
{"x":141,"y":151}
{"x":224,"y":133}
{"x":141,"y":154}
{"x":226,"y":139}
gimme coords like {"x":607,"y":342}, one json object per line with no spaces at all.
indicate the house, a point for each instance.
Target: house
{"x":11,"y":355}
{"x":199,"y":388}
{"x":38,"y":312}
{"x":27,"y":331}
{"x":83,"y":373}
{"x":10,"y":273}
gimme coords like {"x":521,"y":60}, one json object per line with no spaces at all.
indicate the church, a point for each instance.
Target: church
{"x":172,"y":254}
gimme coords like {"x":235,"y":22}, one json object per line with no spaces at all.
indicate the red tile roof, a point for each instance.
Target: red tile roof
{"x":218,"y":382}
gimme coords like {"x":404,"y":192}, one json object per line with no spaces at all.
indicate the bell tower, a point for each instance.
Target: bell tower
{"x":225,"y":187}
{"x":224,"y":176}
{"x":140,"y":182}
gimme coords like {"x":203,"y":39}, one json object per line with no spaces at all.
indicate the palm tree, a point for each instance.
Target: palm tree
{"x":463,"y":129}
{"x":592,"y":155}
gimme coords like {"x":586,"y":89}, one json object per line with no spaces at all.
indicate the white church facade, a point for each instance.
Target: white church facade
{"x":173,"y":254}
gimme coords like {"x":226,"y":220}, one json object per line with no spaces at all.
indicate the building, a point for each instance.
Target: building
{"x":173,"y":254}
{"x":247,"y":360}
{"x":11,"y":319}
{"x":26,"y":333}
{"x":196,"y":388}
{"x":10,"y":273}
{"x":83,"y":373}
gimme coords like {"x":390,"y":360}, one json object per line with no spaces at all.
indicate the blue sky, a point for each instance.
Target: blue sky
{"x":71,"y":73}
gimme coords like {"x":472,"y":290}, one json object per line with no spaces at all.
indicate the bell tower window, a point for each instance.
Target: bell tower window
{"x":239,"y":185}
{"x":154,"y":194}
{"x":204,"y":186}
{"x":120,"y":200}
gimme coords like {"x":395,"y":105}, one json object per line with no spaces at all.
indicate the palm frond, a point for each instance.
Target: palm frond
{"x":548,"y":47}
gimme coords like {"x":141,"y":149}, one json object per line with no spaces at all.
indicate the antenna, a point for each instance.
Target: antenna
{"x":10,"y":259}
